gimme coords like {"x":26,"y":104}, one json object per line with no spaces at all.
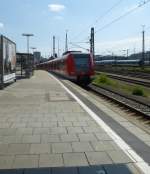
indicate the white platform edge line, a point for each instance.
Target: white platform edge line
{"x":116,"y":138}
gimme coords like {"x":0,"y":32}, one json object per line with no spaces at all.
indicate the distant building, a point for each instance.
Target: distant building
{"x":37,"y":57}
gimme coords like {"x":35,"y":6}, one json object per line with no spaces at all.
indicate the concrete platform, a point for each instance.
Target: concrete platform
{"x":43,"y":129}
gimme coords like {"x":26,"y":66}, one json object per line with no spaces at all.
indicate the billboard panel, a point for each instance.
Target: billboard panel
{"x":8,"y":60}
{"x":1,"y":60}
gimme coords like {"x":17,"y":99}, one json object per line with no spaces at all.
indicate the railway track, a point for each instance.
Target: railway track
{"x":133,"y":74}
{"x":142,"y":82}
{"x":139,"y":107}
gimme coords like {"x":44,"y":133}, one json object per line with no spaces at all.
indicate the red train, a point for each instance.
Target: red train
{"x":74,"y":65}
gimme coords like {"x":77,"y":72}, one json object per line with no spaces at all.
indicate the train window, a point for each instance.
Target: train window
{"x":62,"y":64}
{"x":81,"y":61}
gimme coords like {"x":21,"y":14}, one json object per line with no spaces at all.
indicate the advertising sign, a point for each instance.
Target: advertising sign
{"x":1,"y":60}
{"x":7,"y":60}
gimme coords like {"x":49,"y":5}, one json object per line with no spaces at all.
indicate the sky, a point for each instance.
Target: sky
{"x":56,"y":17}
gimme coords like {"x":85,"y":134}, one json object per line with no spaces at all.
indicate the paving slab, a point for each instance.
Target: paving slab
{"x":6,"y":161}
{"x":61,"y":147}
{"x":104,"y":145}
{"x":64,"y":123}
{"x":79,"y":123}
{"x":3,"y":149}
{"x":26,"y":161}
{"x":75,"y":159}
{"x":18,"y":149}
{"x":81,"y":147}
{"x":98,"y":158}
{"x":12,"y":139}
{"x":24,"y":131}
{"x":49,"y":124}
{"x":7,"y":131}
{"x":87,"y":137}
{"x":69,"y":137}
{"x":51,"y":160}
{"x":91,"y":129}
{"x":50,"y":139}
{"x":41,"y":131}
{"x":58,"y":130}
{"x":73,"y":130}
{"x":40,"y":149}
{"x":119,"y":156}
{"x":103,"y":136}
{"x":31,"y":139}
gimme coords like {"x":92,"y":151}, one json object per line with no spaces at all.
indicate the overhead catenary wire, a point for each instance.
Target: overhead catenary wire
{"x":141,"y":4}
{"x":99,"y":18}
{"x":78,"y":46}
{"x":122,"y":16}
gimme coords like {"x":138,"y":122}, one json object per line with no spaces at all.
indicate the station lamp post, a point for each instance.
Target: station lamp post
{"x":27,"y":35}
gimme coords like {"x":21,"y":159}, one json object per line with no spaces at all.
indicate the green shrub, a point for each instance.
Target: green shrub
{"x":138,"y":91}
{"x":103,"y":79}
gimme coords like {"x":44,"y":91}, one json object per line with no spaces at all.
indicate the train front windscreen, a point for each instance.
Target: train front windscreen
{"x":82,"y":62}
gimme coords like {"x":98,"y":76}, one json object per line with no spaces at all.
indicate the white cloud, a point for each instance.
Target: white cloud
{"x":56,"y":7}
{"x":1,"y":25}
